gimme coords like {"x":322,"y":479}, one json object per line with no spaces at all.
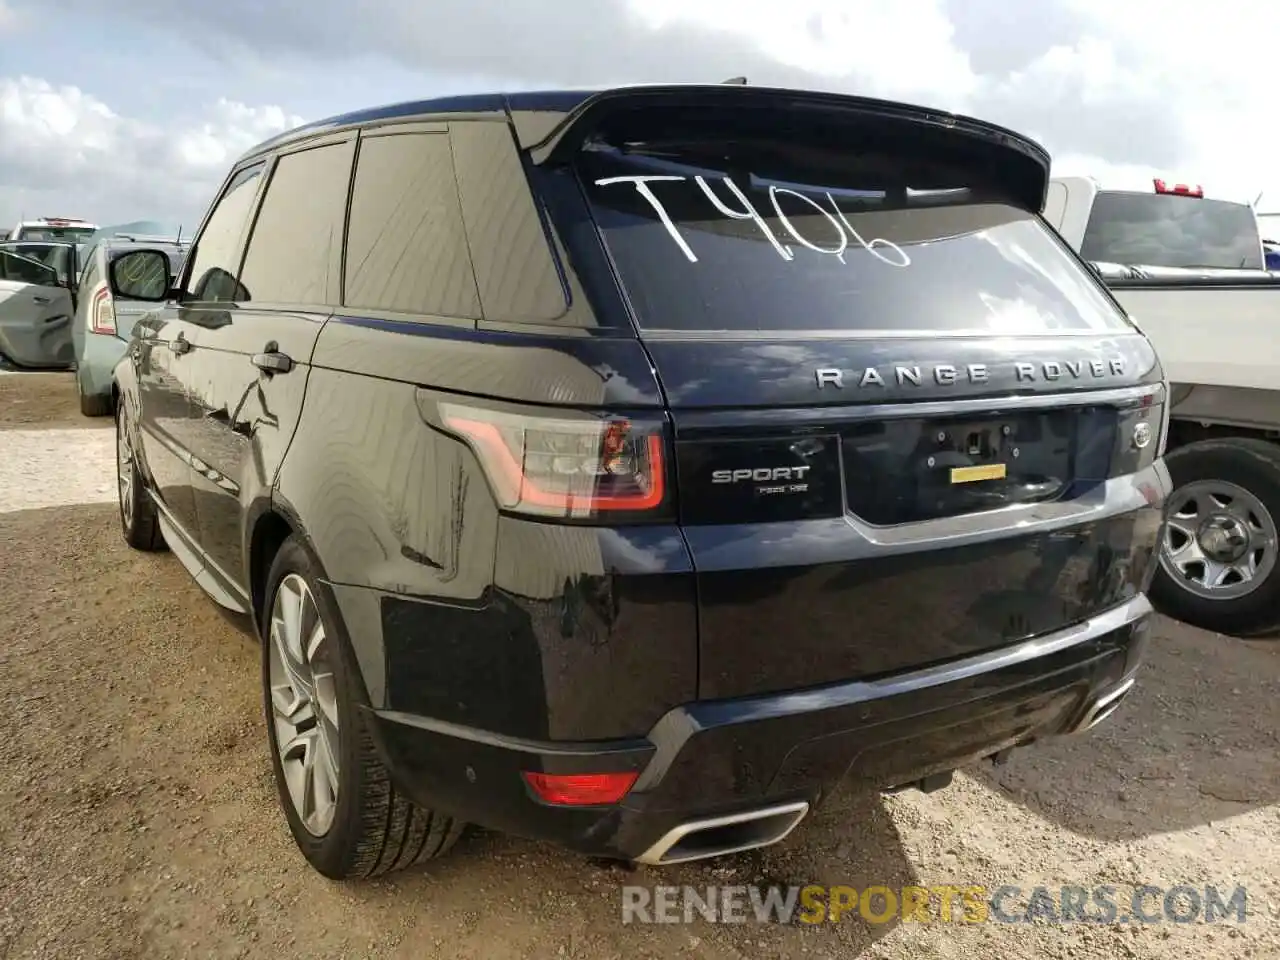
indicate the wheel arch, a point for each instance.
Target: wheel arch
{"x":269,"y":528}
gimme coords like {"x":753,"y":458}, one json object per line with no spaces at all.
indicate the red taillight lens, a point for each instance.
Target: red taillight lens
{"x":102,"y":312}
{"x":1180,"y":189}
{"x":564,"y":465}
{"x":581,"y":789}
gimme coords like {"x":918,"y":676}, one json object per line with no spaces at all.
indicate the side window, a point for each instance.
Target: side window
{"x":514,"y":266}
{"x":21,"y":269}
{"x":91,"y":274}
{"x":406,"y":248}
{"x":215,"y":257}
{"x":297,"y":237}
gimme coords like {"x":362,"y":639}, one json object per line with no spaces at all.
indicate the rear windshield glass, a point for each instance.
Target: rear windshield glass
{"x":1165,"y":230}
{"x":741,"y":236}
{"x":57,"y":233}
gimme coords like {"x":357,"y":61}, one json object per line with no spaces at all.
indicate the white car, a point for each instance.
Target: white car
{"x":37,"y":303}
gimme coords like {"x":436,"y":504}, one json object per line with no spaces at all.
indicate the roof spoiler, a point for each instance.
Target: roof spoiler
{"x":1023,"y":163}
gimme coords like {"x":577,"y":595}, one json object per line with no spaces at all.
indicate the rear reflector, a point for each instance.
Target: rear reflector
{"x":581,"y":789}
{"x":1180,"y":189}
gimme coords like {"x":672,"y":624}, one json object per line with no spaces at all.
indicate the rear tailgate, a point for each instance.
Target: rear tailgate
{"x":898,"y":400}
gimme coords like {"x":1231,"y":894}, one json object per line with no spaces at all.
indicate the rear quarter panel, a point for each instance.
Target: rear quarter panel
{"x":456,"y":612}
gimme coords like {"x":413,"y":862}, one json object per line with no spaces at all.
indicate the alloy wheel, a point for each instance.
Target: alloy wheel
{"x":124,"y":469}
{"x":1219,"y":540}
{"x":304,"y":704}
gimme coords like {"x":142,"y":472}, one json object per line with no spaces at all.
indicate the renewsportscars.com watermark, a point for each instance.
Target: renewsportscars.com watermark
{"x":816,"y":904}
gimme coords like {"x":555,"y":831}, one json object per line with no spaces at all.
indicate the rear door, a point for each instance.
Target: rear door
{"x":249,"y":370}
{"x":890,"y":385}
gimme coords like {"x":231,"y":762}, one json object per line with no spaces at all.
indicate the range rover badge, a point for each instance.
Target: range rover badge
{"x":1141,"y":434}
{"x":948,"y":375}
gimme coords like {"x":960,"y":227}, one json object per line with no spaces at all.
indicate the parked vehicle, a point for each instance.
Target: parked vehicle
{"x":576,"y":496}
{"x":66,"y":229}
{"x":37,"y":302}
{"x":103,"y":322}
{"x":1214,"y":329}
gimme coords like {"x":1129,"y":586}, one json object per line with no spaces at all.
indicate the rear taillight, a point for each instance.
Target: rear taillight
{"x":1179,"y":189}
{"x":563,"y":464}
{"x":102,"y":313}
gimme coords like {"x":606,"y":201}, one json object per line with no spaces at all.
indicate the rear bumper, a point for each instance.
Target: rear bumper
{"x":95,"y":367}
{"x":780,"y":753}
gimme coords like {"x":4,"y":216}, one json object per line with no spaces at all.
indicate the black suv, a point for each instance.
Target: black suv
{"x":628,"y":469}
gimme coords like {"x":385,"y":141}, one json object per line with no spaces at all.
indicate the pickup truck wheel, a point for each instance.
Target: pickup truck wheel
{"x":1219,"y":543}
{"x":345,"y":814}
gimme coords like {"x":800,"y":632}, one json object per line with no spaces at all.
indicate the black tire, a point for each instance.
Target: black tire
{"x":1253,"y":465}
{"x":139,"y":520}
{"x":375,"y":829}
{"x":94,"y":405}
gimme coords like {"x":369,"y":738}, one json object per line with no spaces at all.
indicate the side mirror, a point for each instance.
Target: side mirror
{"x":140,"y":275}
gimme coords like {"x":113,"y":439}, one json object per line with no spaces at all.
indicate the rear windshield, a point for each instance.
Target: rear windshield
{"x":741,"y":236}
{"x":57,"y":233}
{"x":1166,"y":230}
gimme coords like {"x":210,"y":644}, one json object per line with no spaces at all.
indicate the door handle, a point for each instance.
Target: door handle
{"x":40,"y":299}
{"x":273,"y":361}
{"x":180,"y":345}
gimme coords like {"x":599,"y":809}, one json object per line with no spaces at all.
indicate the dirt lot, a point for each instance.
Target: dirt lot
{"x":137,"y":817}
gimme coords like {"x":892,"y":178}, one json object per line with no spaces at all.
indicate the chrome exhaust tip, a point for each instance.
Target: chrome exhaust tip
{"x":720,"y":836}
{"x":1103,"y":707}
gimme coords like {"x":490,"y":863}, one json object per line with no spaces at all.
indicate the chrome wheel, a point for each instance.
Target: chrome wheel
{"x":304,"y":704}
{"x":124,"y":469}
{"x":1219,"y":540}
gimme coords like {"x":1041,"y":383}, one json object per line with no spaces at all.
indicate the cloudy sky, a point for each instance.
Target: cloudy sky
{"x":133,"y":109}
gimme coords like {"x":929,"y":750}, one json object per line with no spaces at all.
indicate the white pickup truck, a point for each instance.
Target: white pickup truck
{"x":1190,"y":271}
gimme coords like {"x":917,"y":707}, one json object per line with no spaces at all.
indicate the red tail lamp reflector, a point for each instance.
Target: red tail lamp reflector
{"x":561,"y":466}
{"x":581,"y":789}
{"x":1180,"y":189}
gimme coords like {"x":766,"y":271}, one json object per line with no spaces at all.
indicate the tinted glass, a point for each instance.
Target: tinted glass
{"x":777,"y":238}
{"x":1162,"y":230}
{"x":22,"y":269}
{"x":217,"y":253}
{"x":298,"y":232}
{"x":92,"y":273}
{"x":514,"y":267}
{"x":57,"y":233}
{"x":56,"y":256}
{"x":406,"y":248}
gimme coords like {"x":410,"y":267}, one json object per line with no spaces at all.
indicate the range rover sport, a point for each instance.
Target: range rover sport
{"x":630,"y":469}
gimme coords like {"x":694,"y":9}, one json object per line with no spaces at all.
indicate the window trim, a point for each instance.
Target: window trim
{"x":336,"y":289}
{"x":193,"y":251}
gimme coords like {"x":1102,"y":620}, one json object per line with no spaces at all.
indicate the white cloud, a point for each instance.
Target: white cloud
{"x":63,"y":152}
{"x":8,"y":18}
{"x":836,"y":40}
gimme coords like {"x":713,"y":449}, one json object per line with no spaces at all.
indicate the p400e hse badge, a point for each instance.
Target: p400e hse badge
{"x":773,"y":479}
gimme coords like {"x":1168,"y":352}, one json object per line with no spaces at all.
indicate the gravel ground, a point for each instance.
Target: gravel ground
{"x":138,"y":819}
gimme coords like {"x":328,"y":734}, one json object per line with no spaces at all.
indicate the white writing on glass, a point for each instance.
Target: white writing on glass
{"x":844,"y":230}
